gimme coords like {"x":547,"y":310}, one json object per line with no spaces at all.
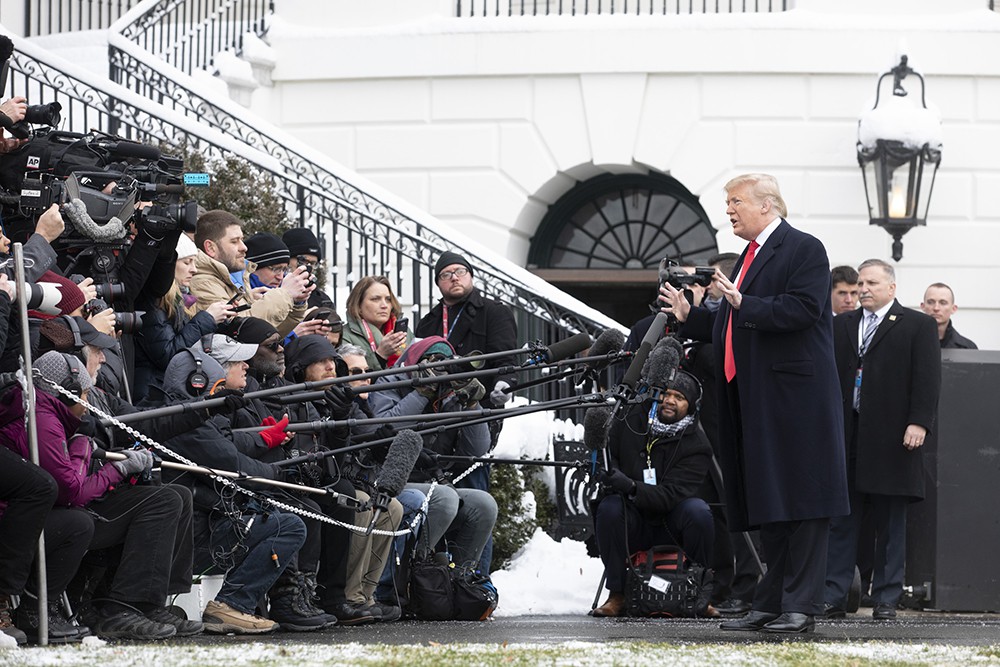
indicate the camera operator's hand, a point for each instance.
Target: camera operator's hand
{"x":617,"y":481}
{"x":15,"y":108}
{"x":275,"y":435}
{"x":675,"y":301}
{"x":135,"y":462}
{"x":6,"y":285}
{"x":104,"y":321}
{"x":50,"y":224}
{"x":468,"y":391}
{"x":339,"y":400}
{"x":297,"y":284}
{"x":88,"y":288}
{"x":430,"y":390}
{"x":220,"y":311}
{"x":498,"y":396}
{"x":233,"y":400}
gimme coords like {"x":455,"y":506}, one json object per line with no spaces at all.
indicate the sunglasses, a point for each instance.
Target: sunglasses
{"x":358,"y":371}
{"x":272,"y":346}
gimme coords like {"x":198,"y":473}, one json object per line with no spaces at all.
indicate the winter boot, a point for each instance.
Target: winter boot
{"x":61,"y":631}
{"x":7,"y":621}
{"x":309,"y":584}
{"x":290,"y":609}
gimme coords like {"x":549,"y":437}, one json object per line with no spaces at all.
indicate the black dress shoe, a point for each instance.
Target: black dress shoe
{"x":791,"y":623}
{"x":884,"y":612}
{"x":733,"y":607}
{"x":833,"y":611}
{"x":754,"y":620}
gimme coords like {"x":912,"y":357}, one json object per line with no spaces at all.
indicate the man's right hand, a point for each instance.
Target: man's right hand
{"x":297,"y":284}
{"x":6,"y":285}
{"x":104,"y":321}
{"x":676,"y":302}
{"x":15,"y":108}
{"x":50,"y":224}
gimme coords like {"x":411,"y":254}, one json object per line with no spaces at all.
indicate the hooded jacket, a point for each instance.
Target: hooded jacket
{"x":62,"y":454}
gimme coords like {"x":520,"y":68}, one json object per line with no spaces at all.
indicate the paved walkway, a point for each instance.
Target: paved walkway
{"x":910,"y":627}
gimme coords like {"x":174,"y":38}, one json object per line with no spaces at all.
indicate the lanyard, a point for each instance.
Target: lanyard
{"x":371,"y":337}
{"x":444,"y":319}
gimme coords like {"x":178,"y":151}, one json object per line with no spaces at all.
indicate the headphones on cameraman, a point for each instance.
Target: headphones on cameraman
{"x":74,"y":329}
{"x":71,"y":383}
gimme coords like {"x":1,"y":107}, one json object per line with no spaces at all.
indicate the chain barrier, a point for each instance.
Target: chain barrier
{"x":229,"y":483}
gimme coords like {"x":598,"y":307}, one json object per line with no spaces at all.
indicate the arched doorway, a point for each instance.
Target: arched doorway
{"x":603,"y":240}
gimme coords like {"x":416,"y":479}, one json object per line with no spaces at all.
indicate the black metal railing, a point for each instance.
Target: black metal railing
{"x":366,"y":237}
{"x":486,"y":8}
{"x":188,"y":33}
{"x":49,"y":17}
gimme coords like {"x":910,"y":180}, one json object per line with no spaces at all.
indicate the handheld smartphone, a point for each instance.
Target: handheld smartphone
{"x":240,"y":309}
{"x":321,"y":314}
{"x":401,"y":325}
{"x":232,"y":302}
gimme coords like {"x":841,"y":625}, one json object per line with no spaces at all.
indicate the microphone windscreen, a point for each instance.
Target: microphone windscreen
{"x":565,"y":349}
{"x":663,"y":361}
{"x":595,"y":427}
{"x":136,"y":150}
{"x":399,"y":460}
{"x":610,"y":341}
{"x":653,"y":334}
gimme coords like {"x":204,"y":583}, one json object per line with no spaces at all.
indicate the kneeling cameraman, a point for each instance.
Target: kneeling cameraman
{"x":656,"y":472}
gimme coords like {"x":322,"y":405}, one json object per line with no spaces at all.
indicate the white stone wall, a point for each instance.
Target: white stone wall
{"x":485,"y":122}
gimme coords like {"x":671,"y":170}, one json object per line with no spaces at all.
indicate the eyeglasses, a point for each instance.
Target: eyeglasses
{"x":457,"y":273}
{"x":358,"y":371}
{"x":275,"y":269}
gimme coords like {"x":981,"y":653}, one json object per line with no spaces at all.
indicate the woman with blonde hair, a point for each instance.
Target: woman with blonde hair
{"x":373,"y":312}
{"x":171,"y":324}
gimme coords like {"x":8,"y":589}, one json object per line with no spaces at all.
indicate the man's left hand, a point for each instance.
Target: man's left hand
{"x":728,"y":289}
{"x":914,"y":436}
{"x":617,"y":481}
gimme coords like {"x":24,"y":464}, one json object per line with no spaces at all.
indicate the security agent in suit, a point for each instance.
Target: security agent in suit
{"x":779,"y":423}
{"x":658,"y":468}
{"x":889,"y":362}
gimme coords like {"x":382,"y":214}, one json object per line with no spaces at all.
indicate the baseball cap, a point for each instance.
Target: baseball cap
{"x":224,"y":349}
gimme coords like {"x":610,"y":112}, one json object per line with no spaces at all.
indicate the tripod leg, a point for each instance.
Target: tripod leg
{"x":600,"y":587}
{"x":716,"y":472}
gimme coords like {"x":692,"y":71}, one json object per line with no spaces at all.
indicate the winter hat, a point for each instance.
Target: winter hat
{"x":62,"y":369}
{"x":687,"y":385}
{"x":448,"y":258}
{"x":266,"y":249}
{"x":185,"y":247}
{"x":303,"y":351}
{"x":251,"y":330}
{"x":302,"y":241}
{"x":69,"y":296}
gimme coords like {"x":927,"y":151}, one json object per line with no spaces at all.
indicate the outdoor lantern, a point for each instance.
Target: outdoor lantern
{"x":899,"y":150}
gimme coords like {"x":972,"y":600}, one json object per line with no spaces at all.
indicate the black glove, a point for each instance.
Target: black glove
{"x":233,"y":400}
{"x":385,"y":431}
{"x":339,"y":400}
{"x":426,"y":460}
{"x":617,"y":481}
{"x":468,"y":391}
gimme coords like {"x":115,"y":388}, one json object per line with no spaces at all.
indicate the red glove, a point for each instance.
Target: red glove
{"x":275,"y":434}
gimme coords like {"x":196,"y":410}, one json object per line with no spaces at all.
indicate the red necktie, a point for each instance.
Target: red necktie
{"x":730,"y":362}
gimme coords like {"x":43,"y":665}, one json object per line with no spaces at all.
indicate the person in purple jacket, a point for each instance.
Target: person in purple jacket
{"x":141,"y":519}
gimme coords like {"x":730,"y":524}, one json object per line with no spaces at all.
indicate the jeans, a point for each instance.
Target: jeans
{"x":464,"y":516}
{"x":273,"y":534}
{"x":29,"y":493}
{"x":621,"y":531}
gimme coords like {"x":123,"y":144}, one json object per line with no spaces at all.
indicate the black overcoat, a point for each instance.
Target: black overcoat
{"x":782,"y":446}
{"x":901,"y":381}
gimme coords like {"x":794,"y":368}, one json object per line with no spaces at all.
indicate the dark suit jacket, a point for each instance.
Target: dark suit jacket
{"x":782,"y":446}
{"x":900,"y":385}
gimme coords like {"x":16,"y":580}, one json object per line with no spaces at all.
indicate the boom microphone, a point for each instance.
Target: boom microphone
{"x":391,"y":479}
{"x":660,"y":368}
{"x":560,"y":350}
{"x":609,"y":342}
{"x":653,"y":334}
{"x":595,"y":427}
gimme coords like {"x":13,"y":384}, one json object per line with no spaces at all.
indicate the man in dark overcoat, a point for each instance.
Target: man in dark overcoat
{"x":889,"y":362}
{"x":780,"y":422}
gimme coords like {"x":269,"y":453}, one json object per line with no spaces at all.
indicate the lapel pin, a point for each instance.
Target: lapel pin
{"x":892,"y":318}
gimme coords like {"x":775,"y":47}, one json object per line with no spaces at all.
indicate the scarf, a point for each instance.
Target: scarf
{"x":659,"y":429}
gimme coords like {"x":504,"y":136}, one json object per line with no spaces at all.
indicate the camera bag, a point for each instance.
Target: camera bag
{"x":661,"y":581}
